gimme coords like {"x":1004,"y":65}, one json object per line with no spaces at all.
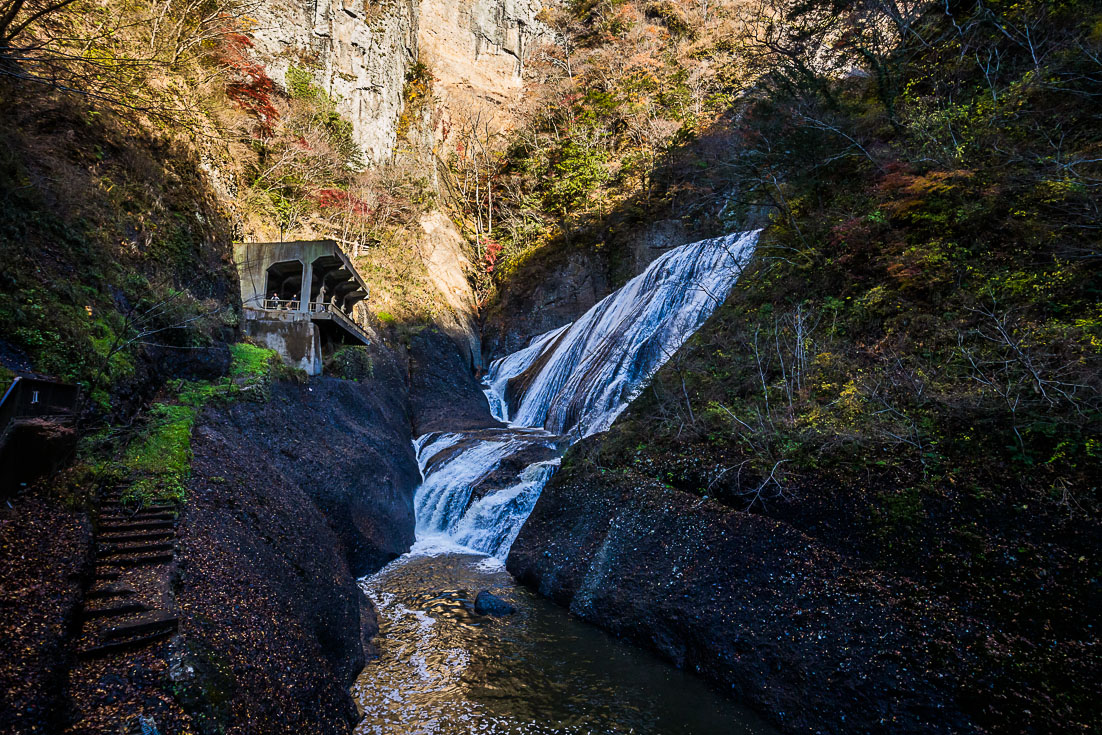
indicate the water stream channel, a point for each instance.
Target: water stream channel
{"x":444,"y":669}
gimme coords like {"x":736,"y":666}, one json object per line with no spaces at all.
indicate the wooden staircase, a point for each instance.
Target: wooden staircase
{"x":127,"y":607}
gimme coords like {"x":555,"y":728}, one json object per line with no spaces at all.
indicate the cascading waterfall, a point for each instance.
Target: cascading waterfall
{"x":567,"y":384}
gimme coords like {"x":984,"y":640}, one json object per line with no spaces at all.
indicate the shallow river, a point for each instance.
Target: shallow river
{"x":444,"y":669}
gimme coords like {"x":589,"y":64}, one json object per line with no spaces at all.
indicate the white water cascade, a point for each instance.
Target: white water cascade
{"x":567,"y":384}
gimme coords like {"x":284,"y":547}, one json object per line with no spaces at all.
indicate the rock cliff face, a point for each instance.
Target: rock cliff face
{"x":444,"y":395}
{"x":291,"y":500}
{"x":358,"y":51}
{"x":778,"y":620}
{"x":443,"y":251}
{"x":361,"y":51}
{"x":477,"y":50}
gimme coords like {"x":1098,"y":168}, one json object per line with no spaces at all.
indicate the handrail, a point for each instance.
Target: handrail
{"x":8,"y":406}
{"x":317,"y":307}
{"x":10,"y":390}
{"x":343,"y":318}
{"x":280,"y":304}
{"x":37,"y":398}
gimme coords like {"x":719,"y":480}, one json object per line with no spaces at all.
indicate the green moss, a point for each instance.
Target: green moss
{"x":250,"y":361}
{"x":160,"y":461}
{"x":197,"y":393}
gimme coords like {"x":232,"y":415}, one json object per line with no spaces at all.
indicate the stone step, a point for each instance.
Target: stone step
{"x":149,"y":623}
{"x":123,"y":549}
{"x":157,"y":507}
{"x":105,"y":575}
{"x":140,"y":516}
{"x":116,"y":610}
{"x":146,"y":536}
{"x":137,"y":526}
{"x":153,"y":621}
{"x":149,"y":628}
{"x":111,"y":590}
{"x":139,"y":561}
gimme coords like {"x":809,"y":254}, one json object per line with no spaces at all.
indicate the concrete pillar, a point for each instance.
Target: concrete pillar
{"x":307,"y":285}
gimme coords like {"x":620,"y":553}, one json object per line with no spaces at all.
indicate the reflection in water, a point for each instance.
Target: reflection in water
{"x":445,"y":670}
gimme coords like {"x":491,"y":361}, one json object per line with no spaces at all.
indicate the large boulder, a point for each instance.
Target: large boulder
{"x":487,"y":603}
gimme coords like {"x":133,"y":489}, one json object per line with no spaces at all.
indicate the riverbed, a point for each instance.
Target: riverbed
{"x":444,"y":669}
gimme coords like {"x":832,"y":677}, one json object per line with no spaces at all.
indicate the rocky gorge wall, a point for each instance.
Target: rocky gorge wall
{"x":291,"y":500}
{"x":358,"y":52}
{"x":812,"y":640}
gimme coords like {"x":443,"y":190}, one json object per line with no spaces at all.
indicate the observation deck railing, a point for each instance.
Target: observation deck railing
{"x":319,"y":308}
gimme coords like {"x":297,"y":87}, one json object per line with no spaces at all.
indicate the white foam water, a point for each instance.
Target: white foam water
{"x":567,"y":384}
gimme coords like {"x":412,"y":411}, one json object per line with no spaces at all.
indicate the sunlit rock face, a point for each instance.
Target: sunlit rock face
{"x":477,"y":51}
{"x":361,"y":51}
{"x":444,"y":253}
{"x":358,"y":51}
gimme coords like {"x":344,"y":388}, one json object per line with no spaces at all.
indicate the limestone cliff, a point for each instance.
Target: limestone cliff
{"x":477,"y":50}
{"x":358,"y":51}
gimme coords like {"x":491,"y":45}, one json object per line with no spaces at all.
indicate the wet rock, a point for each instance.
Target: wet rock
{"x":548,"y":297}
{"x":487,"y":603}
{"x":443,"y":392}
{"x":787,"y":625}
{"x":508,"y":472}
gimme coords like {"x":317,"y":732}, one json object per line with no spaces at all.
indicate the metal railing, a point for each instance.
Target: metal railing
{"x":280,"y":304}
{"x":33,"y":398}
{"x":316,"y":307}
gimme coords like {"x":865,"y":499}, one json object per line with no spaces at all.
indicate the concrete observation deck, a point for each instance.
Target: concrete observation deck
{"x":300,"y":299}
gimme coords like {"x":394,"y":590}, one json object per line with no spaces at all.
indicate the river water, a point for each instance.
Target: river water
{"x":442,"y":668}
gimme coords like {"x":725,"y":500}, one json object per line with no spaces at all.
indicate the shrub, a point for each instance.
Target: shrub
{"x":352,"y":363}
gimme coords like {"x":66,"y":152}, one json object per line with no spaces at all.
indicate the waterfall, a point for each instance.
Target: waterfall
{"x":565,"y":385}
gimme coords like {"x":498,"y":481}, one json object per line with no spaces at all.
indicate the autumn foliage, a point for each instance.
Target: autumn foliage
{"x":340,"y":199}
{"x":248,"y":84}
